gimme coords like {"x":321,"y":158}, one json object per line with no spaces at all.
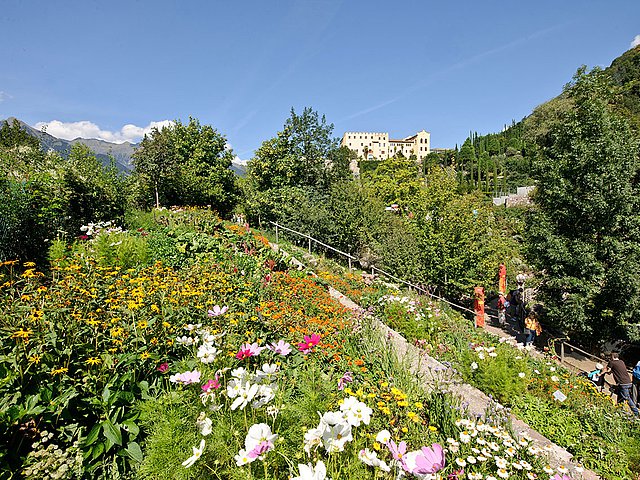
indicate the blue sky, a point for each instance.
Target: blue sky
{"x":397,"y":67}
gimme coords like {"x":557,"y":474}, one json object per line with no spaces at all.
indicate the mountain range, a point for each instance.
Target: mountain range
{"x":104,"y":151}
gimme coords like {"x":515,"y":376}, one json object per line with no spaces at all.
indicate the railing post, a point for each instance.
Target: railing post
{"x":349,"y":264}
{"x":309,"y":244}
{"x":562,"y":352}
{"x":276,"y":233}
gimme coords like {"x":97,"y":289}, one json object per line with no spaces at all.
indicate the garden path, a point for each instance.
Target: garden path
{"x":429,"y":371}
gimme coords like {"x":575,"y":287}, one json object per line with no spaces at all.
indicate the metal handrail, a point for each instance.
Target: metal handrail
{"x":419,"y":288}
{"x":375,"y":269}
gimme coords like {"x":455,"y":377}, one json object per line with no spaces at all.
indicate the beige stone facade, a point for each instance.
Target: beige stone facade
{"x":378,"y":146}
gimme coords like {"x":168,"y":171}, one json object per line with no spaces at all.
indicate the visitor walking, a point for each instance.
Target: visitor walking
{"x":501,"y":306}
{"x":532,"y":329}
{"x":618,"y":369}
{"x":635,"y":390}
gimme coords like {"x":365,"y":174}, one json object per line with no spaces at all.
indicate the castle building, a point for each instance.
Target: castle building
{"x":378,"y":146}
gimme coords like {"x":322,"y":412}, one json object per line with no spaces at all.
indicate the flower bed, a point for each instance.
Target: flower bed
{"x":219,"y":366}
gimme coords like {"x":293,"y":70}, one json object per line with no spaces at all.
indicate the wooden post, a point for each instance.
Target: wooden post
{"x":562,"y":352}
{"x":276,"y":233}
{"x":349,"y":264}
{"x":309,"y":245}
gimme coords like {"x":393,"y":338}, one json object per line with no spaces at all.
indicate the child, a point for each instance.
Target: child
{"x":596,"y":375}
{"x":532,"y":328}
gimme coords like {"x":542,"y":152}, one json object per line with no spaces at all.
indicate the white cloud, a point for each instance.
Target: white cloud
{"x":636,"y":41}
{"x":4,"y":96}
{"x":86,"y":129}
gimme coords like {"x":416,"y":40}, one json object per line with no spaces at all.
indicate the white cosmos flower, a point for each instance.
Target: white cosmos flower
{"x":383,"y":437}
{"x":501,"y":462}
{"x":242,"y":458}
{"x":474,"y":366}
{"x":465,"y":437}
{"x":312,"y":439}
{"x":521,"y":374}
{"x":502,"y":473}
{"x":258,"y":433}
{"x":207,"y":353}
{"x":204,"y":424}
{"x":309,"y":472}
{"x":197,"y":453}
{"x":356,"y":412}
{"x":240,"y":373}
{"x":336,"y":436}
{"x":234,"y":387}
{"x":370,"y":458}
{"x":245,"y":395}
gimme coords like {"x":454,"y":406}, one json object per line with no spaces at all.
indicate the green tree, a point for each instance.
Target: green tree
{"x":586,"y":233}
{"x":467,"y":158}
{"x":154,"y":161}
{"x":395,"y":180}
{"x":304,"y":156}
{"x":187,"y":164}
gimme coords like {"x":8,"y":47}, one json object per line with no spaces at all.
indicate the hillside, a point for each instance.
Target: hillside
{"x":512,"y":151}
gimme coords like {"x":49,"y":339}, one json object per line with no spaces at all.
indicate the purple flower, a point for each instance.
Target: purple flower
{"x":163,"y":367}
{"x":217,"y":311}
{"x":260,"y":449}
{"x":431,"y":460}
{"x":346,"y":378}
{"x":281,"y":348}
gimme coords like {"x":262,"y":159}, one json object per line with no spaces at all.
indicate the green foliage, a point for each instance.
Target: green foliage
{"x":46,"y":197}
{"x":303,"y":154}
{"x":395,"y":180}
{"x":586,"y":232}
{"x":186,"y":164}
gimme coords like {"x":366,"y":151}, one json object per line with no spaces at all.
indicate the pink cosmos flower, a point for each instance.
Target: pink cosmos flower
{"x":558,"y":477}
{"x":260,"y":449}
{"x":163,"y":367}
{"x":281,"y":348}
{"x":430,"y":461}
{"x":248,"y":350}
{"x":398,"y":451}
{"x":215,"y":384}
{"x":309,"y":343}
{"x":346,"y":378}
{"x":186,"y":378}
{"x":217,"y":310}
